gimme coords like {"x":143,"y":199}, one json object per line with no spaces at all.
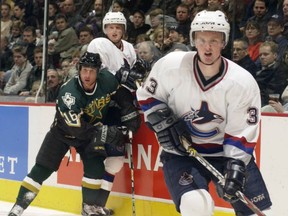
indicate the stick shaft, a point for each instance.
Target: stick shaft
{"x":192,"y":152}
{"x":131,"y":164}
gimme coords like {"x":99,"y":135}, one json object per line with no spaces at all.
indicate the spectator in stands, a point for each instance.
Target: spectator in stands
{"x":34,"y":89}
{"x":138,"y":26}
{"x":154,"y":21}
{"x":6,"y":55}
{"x":118,"y":6}
{"x":273,"y":77}
{"x":285,"y":17}
{"x":38,"y":12}
{"x":85,"y":37}
{"x":52,"y":12}
{"x":214,"y":4}
{"x":183,"y":17}
{"x":189,"y":3}
{"x":53,"y":85}
{"x":94,"y":18}
{"x":160,"y":34}
{"x":241,"y":56}
{"x":148,"y":52}
{"x":99,"y":11}
{"x":30,"y":42}
{"x":35,"y":73}
{"x":19,"y":14}
{"x":67,"y":41}
{"x":6,"y":63}
{"x":6,"y":21}
{"x":254,"y":38}
{"x":235,"y":11}
{"x":261,"y":15}
{"x":175,"y":41}
{"x":64,"y":70}
{"x":70,"y":11}
{"x":275,"y":29}
{"x":164,"y":22}
{"x":169,"y":6}
{"x":19,"y":72}
{"x":16,"y":33}
{"x":199,"y":6}
{"x":93,"y":8}
{"x":276,"y":106}
{"x":142,"y":37}
{"x":73,"y":67}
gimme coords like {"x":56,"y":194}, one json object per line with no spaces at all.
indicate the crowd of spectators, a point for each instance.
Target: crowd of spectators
{"x":258,"y":38}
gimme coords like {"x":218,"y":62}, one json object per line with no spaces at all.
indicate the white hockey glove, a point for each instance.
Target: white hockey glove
{"x":235,"y":178}
{"x":169,"y":130}
{"x":110,"y":135}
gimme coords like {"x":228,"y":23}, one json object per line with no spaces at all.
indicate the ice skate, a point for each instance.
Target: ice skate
{"x":93,"y":210}
{"x":16,"y":210}
{"x":108,"y":211}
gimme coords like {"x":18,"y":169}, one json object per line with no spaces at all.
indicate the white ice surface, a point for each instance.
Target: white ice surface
{"x":5,"y":207}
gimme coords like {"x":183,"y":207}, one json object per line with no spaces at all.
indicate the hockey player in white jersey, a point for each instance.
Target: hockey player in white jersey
{"x":121,"y":59}
{"x":215,"y":104}
{"x":114,"y":27}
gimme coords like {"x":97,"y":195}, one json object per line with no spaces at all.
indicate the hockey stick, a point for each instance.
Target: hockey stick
{"x":131,"y":165}
{"x":193,"y":153}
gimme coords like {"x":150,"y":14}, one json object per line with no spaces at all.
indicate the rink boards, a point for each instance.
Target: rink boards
{"x":23,"y":128}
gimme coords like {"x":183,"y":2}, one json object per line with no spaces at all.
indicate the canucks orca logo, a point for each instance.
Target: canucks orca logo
{"x":202,"y":116}
{"x":186,"y":179}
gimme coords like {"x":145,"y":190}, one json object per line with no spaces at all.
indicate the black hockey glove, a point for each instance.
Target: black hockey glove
{"x":110,"y":135}
{"x":169,"y":130}
{"x":130,"y":116}
{"x":141,"y":67}
{"x":235,"y":178}
{"x":128,"y":77}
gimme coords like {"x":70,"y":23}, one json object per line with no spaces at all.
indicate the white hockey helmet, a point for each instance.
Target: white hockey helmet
{"x":210,"y":21}
{"x":114,"y":18}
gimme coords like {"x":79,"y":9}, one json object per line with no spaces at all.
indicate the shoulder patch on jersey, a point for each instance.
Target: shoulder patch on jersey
{"x":68,"y":100}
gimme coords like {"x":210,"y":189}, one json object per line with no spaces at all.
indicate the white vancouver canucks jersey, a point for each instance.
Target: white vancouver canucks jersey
{"x":112,"y":57}
{"x":222,"y":114}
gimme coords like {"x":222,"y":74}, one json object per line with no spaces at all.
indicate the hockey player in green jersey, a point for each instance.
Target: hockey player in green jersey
{"x":81,"y":113}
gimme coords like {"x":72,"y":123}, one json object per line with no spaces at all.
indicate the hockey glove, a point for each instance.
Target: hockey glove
{"x":110,"y":135}
{"x":169,"y":130}
{"x":128,"y":77}
{"x":235,"y":178}
{"x":141,"y":67}
{"x":130,"y":117}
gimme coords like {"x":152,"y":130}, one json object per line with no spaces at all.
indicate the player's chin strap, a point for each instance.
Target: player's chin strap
{"x":193,"y":153}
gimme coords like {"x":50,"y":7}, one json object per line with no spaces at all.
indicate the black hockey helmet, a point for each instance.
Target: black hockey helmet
{"x":90,"y":60}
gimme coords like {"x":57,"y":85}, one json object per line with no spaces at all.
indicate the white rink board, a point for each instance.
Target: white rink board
{"x":274,"y":165}
{"x":273,"y":155}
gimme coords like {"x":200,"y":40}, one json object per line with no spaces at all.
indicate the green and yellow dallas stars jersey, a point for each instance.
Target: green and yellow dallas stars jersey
{"x":78,"y":111}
